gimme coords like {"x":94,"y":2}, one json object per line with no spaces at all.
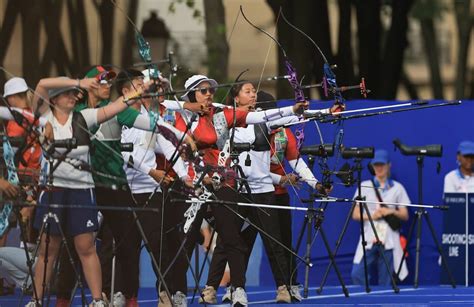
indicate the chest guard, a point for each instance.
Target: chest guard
{"x":262,"y":138}
{"x":222,"y":130}
{"x":79,"y":129}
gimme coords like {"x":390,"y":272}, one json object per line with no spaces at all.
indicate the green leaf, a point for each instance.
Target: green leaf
{"x":190,"y":3}
{"x":428,"y":9}
{"x":172,"y":7}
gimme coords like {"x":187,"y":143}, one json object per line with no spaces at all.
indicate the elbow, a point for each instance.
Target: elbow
{"x":403,"y":215}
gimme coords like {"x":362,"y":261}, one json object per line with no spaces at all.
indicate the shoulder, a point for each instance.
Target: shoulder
{"x":397,"y":185}
{"x":451,"y":175}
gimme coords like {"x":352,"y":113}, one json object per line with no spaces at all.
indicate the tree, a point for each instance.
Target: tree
{"x":303,"y":55}
{"x":369,"y":30}
{"x":394,"y":50}
{"x":6,"y":32}
{"x":106,"y":11}
{"x":426,"y":11}
{"x":38,"y":61}
{"x":216,"y":41}
{"x":127,"y":51}
{"x":464,"y":20}
{"x":78,"y":30}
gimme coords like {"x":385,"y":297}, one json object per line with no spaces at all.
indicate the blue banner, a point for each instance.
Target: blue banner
{"x":458,"y":238}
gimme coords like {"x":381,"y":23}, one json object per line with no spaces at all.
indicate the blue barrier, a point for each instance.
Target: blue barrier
{"x":444,"y":125}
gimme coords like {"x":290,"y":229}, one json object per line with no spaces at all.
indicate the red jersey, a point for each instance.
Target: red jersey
{"x":30,"y":163}
{"x":205,"y":135}
{"x":283,"y":146}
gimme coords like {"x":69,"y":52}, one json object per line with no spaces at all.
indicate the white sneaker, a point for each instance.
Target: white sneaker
{"x":164,"y":300}
{"x":180,"y":299}
{"x":33,"y":303}
{"x":239,"y":297}
{"x":295,"y":291}
{"x":119,"y":300}
{"x":208,"y":296}
{"x":227,"y":298}
{"x":98,"y":303}
{"x":283,"y":295}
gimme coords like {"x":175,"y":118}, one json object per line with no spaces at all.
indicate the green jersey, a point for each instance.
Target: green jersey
{"x":106,"y":154}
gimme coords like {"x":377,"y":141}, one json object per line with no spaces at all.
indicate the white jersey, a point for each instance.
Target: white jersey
{"x":137,"y":164}
{"x":258,"y":173}
{"x":456,"y":182}
{"x":67,"y":173}
{"x":393,"y":192}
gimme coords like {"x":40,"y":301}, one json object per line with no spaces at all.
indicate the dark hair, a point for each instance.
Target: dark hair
{"x":125,"y":78}
{"x":192,"y":96}
{"x":265,"y":101}
{"x":234,"y":91}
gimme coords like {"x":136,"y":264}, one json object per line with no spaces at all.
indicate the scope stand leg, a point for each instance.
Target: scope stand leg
{"x":418,"y":248}
{"x":332,"y":260}
{"x":29,"y":259}
{"x":364,"y":244}
{"x":336,"y":249}
{"x":307,"y":256}
{"x":410,"y":234}
{"x":440,"y":249}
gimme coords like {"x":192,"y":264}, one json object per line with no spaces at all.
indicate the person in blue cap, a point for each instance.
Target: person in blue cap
{"x":381,"y":188}
{"x":461,"y":180}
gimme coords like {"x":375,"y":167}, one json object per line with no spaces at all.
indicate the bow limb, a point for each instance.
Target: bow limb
{"x":329,"y":85}
{"x":144,"y":51}
{"x":292,"y":79}
{"x":291,"y":73}
{"x":299,"y":95}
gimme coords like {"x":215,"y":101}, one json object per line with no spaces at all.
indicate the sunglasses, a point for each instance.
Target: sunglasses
{"x":204,"y":90}
{"x":105,"y":83}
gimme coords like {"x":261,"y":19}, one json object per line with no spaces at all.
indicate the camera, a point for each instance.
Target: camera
{"x":357,"y":152}
{"x":322,"y":150}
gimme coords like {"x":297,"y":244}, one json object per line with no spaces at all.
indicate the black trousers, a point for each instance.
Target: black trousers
{"x":151,"y":222}
{"x":176,"y":278}
{"x":106,"y":253}
{"x":267,"y":220}
{"x":232,"y":245}
{"x":119,"y":223}
{"x":284,"y":217}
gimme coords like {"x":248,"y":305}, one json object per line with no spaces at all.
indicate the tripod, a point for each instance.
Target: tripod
{"x":314,"y":217}
{"x":419,"y":214}
{"x":46,"y":230}
{"x":362,"y":206}
{"x":28,"y":257}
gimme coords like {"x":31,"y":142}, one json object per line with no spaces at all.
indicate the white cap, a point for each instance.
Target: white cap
{"x":14,"y":86}
{"x":194,"y":81}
